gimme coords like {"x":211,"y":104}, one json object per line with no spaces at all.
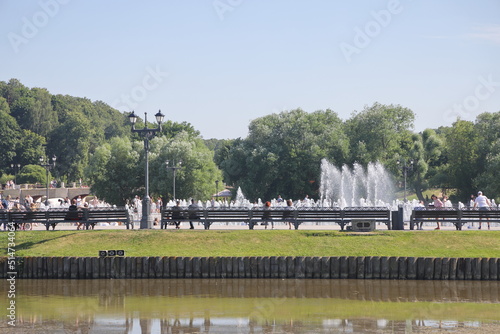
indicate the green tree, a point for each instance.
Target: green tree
{"x":113,"y":171}
{"x":461,"y":152}
{"x":117,"y":169}
{"x":34,"y":112}
{"x":33,"y":174}
{"x":282,"y":154}
{"x":10,"y":135}
{"x":382,"y":129}
{"x":488,"y":173}
{"x":70,"y":142}
{"x":29,"y":148}
{"x":426,"y":154}
{"x":198,"y":172}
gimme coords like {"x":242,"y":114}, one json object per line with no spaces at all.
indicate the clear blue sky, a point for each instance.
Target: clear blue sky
{"x":218,"y":64}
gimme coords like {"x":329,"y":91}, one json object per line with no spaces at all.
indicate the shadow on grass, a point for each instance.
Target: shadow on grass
{"x":30,"y":244}
{"x":341,"y":234}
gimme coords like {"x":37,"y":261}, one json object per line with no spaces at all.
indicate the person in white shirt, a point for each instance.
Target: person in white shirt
{"x":447,"y":203}
{"x":483,"y":204}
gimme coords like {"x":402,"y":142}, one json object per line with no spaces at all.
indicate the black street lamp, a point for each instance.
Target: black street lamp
{"x":147,"y":134}
{"x":16,"y":168}
{"x":48,"y":166}
{"x":217,"y":189}
{"x":174,"y":169}
{"x":406,"y":169}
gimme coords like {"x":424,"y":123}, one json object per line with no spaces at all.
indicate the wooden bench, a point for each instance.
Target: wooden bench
{"x":4,"y":220}
{"x":169,"y":216}
{"x":57,"y":216}
{"x":52,"y":217}
{"x":471,"y":215}
{"x":425,"y":215}
{"x":106,"y":215}
{"x":21,"y":217}
{"x":458,"y":217}
{"x":375,"y":214}
{"x":326,"y":215}
{"x":253,"y":217}
{"x":271,"y":216}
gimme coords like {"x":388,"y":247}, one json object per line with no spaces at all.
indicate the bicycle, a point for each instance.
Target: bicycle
{"x":26,"y":226}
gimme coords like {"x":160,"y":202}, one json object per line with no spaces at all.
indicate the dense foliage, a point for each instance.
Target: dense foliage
{"x":280,"y":156}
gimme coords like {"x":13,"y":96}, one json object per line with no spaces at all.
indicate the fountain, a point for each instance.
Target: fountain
{"x":356,"y":186}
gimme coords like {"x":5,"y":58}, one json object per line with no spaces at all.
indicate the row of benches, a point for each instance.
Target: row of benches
{"x":458,"y":217}
{"x":52,"y":217}
{"x":253,"y":217}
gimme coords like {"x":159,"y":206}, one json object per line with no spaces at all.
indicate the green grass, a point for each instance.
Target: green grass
{"x":257,"y":243}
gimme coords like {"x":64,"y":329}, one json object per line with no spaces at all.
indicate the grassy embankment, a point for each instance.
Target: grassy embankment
{"x":257,"y":243}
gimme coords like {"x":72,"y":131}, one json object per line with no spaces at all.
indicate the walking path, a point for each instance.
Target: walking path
{"x":278,"y":226}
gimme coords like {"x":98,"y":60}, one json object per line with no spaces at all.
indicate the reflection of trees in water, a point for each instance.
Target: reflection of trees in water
{"x":113,"y":293}
{"x":206,"y":325}
{"x":101,"y":296}
{"x":174,"y":326}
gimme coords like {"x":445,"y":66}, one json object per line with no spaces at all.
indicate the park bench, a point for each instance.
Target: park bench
{"x":88,"y":217}
{"x":374,"y":214}
{"x":106,"y":215}
{"x":4,"y":218}
{"x":458,"y":217}
{"x":471,"y":215}
{"x":22,"y":217}
{"x":57,"y":216}
{"x":443,"y":215}
{"x":169,"y":216}
{"x":316,"y":215}
{"x":253,"y":217}
{"x":275,"y":215}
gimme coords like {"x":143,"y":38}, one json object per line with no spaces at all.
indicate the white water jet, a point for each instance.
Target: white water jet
{"x":356,"y":186}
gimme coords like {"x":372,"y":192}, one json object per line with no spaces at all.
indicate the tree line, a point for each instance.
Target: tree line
{"x":280,"y":156}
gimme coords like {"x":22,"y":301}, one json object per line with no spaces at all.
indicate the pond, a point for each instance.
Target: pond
{"x":251,"y":306}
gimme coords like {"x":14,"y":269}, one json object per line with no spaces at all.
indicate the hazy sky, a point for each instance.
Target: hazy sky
{"x":218,"y":64}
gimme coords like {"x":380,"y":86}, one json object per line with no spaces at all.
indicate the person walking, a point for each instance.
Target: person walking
{"x":193,"y":213}
{"x":438,"y":205}
{"x":266,"y":216}
{"x":483,"y":204}
{"x":287,"y":213}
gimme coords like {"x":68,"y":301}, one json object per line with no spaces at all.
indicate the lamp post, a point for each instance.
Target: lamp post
{"x":406,"y":169}
{"x":217,"y":190}
{"x":48,"y":165}
{"x":147,"y":134}
{"x":174,"y":169}
{"x":16,"y":168}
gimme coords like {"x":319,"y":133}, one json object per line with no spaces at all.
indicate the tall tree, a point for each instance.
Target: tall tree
{"x":70,"y":142}
{"x":488,"y":173}
{"x":282,"y":154}
{"x":34,"y":112}
{"x":117,"y":169}
{"x":462,"y":157}
{"x":10,"y":135}
{"x":379,"y":130}
{"x":425,"y":153}
{"x":113,"y":171}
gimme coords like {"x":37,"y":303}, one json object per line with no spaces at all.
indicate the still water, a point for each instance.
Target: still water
{"x":252,"y":306}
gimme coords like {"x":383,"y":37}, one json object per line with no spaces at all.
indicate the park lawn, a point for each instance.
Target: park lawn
{"x":256,"y":243}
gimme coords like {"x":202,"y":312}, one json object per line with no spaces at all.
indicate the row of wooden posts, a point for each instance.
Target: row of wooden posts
{"x":373,"y":267}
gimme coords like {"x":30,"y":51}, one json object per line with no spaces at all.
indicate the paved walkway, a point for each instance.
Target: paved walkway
{"x":278,"y":226}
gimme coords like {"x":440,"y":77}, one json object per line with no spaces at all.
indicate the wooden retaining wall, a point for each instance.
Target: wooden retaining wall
{"x":372,"y":267}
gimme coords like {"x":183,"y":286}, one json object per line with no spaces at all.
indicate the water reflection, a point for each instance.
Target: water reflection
{"x":251,"y":305}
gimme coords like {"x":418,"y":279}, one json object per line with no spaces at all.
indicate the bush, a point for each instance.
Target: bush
{"x":33,"y":174}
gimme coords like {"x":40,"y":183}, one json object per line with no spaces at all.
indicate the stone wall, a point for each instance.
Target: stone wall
{"x":373,"y":267}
